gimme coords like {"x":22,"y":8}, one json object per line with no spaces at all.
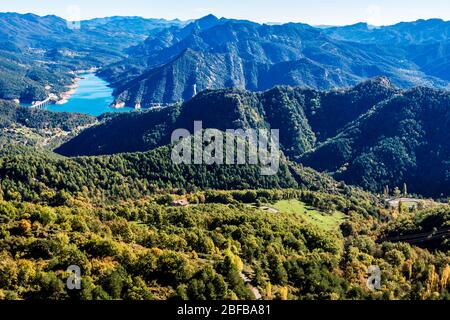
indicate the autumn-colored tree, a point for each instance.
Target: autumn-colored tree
{"x":283,"y":293}
{"x":268,"y":291}
{"x":432,"y":282}
{"x":445,"y":277}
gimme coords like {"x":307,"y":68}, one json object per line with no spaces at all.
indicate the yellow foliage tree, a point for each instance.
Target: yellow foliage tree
{"x":268,"y":292}
{"x":432,"y":283}
{"x":334,"y":296}
{"x":235,"y":259}
{"x":24,"y":226}
{"x":283,"y":293}
{"x":445,"y":278}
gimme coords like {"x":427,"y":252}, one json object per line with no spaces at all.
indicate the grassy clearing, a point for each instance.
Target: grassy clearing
{"x":326,"y":221}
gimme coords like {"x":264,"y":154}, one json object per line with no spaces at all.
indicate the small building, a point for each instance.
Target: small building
{"x":407,"y":202}
{"x":180,"y":203}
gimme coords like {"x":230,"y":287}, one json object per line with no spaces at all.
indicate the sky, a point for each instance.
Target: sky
{"x":314,"y":12}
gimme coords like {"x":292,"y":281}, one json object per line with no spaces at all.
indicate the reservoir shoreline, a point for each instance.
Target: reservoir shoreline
{"x":65,"y":96}
{"x":88,"y":94}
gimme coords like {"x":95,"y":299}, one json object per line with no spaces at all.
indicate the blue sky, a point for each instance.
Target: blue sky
{"x":316,"y":12}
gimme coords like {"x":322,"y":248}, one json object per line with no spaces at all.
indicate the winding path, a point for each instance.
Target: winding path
{"x":255,"y":290}
{"x":421,"y":237}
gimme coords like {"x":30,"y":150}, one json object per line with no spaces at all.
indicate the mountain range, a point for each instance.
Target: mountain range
{"x":363,"y":113}
{"x":38,"y":54}
{"x":372,"y":135}
{"x":155,"y":61}
{"x":212,"y":53}
{"x":388,"y":130}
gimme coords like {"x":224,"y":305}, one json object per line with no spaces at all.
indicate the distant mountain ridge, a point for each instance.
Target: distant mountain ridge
{"x":40,"y":52}
{"x":212,"y":53}
{"x":154,"y":61}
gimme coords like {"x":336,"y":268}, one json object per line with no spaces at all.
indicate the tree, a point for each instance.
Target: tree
{"x":401,"y":207}
{"x":397,"y":192}
{"x":283,"y":293}
{"x":268,"y":291}
{"x":445,"y":278}
{"x":432,"y":282}
{"x":386,"y":192}
{"x":24,"y":226}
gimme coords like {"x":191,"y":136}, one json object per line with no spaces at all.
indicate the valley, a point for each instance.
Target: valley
{"x":364,"y":164}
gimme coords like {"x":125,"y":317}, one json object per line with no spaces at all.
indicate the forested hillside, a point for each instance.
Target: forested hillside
{"x":302,"y":115}
{"x":142,"y":250}
{"x":114,"y":217}
{"x":123,"y":176}
{"x":402,"y":140}
{"x":11,"y":114}
{"x":372,"y":135}
{"x":297,"y":235}
{"x":37,"y":54}
{"x":38,"y":128}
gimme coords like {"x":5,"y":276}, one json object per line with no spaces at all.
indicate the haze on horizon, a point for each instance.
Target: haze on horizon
{"x":325,"y":12}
